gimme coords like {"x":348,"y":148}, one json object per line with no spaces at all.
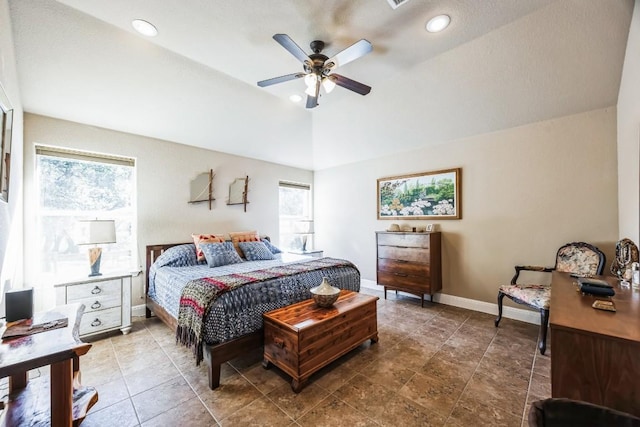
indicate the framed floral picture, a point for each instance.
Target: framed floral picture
{"x":427,"y":195}
{"x":6,"y":125}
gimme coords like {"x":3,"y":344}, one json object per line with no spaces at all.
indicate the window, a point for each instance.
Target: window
{"x":74,"y":186}
{"x":296,"y":227}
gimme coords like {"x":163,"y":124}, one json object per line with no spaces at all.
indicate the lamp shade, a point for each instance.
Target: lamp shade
{"x":97,"y":231}
{"x":304,"y":226}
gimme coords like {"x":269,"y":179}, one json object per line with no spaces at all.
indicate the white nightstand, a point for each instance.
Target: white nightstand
{"x":106,"y":299}
{"x":317,"y":254}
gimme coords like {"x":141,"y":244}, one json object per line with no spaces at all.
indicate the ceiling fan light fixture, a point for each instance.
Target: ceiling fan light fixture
{"x":438,"y":23}
{"x":145,"y":28}
{"x":310,"y":80}
{"x":311,"y":90}
{"x":328,"y":84}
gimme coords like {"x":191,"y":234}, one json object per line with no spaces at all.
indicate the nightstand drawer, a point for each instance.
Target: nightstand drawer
{"x":99,"y":302}
{"x":94,"y":290}
{"x":100,"y":320}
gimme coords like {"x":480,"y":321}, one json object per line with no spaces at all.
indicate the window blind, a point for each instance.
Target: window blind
{"x":45,"y":150}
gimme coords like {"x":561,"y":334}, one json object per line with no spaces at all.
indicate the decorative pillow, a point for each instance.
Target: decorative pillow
{"x":255,"y":251}
{"x":178,"y":256}
{"x":243,"y":236}
{"x":274,"y":249}
{"x":219,"y":254}
{"x":205,"y":238}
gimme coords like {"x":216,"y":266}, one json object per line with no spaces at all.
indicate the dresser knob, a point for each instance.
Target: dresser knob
{"x":96,"y":322}
{"x":96,"y":305}
{"x":278,"y":342}
{"x":96,"y":290}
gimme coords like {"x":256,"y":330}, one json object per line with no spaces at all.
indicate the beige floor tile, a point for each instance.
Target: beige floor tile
{"x":150,"y":377}
{"x":232,"y":395}
{"x":433,"y":393}
{"x":495,"y":393}
{"x":121,"y":414}
{"x":159,"y":399}
{"x":335,"y":412}
{"x":191,"y":413}
{"x":260,"y":412}
{"x":297,"y":404}
{"x":470,"y":412}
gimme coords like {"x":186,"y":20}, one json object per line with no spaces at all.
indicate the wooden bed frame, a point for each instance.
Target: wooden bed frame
{"x":214,"y":355}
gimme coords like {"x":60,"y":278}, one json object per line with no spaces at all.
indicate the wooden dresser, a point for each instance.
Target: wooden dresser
{"x":409,"y":262}
{"x":595,"y":354}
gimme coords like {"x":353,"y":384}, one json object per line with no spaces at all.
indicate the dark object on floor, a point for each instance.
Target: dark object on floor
{"x":566,"y":412}
{"x":578,"y":257}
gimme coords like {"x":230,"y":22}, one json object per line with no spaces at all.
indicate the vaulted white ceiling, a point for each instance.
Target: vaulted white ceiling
{"x":501,"y":63}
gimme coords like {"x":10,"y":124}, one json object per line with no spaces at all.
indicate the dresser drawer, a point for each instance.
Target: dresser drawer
{"x":96,"y":289}
{"x":405,"y":254}
{"x":409,"y":283}
{"x":100,"y":320}
{"x":406,"y":240}
{"x":403,"y":267}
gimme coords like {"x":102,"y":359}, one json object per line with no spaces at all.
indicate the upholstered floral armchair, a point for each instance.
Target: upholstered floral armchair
{"x":577,"y":257}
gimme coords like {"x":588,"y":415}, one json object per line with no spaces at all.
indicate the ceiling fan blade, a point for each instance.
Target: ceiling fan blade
{"x":347,"y":83}
{"x":312,"y":101}
{"x":286,"y":42}
{"x":280,"y":79}
{"x":355,"y":51}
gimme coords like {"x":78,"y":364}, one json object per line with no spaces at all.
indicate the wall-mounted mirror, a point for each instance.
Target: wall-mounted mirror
{"x":6,"y":120}
{"x":238,"y":190}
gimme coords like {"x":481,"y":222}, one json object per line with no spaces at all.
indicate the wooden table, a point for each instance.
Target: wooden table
{"x":595,"y":354}
{"x":302,"y":338}
{"x":59,"y":348}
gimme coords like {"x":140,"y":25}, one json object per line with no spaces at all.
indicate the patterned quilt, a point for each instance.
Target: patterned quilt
{"x":200,"y":296}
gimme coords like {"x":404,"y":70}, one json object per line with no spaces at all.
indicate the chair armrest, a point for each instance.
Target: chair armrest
{"x":520,"y":268}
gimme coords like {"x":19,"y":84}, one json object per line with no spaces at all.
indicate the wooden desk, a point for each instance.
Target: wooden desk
{"x":59,"y":348}
{"x":595,"y":354}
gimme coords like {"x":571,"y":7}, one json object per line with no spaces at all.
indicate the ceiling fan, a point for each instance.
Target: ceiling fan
{"x":318,"y":68}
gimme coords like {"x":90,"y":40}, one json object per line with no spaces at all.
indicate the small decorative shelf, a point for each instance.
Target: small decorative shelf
{"x":202,"y":188}
{"x":238,"y":190}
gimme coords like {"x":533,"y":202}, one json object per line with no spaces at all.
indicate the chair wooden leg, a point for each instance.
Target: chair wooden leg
{"x":544,"y":325}
{"x":500,"y":297}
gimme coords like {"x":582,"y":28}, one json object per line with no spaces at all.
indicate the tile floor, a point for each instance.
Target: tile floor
{"x":433,"y":366}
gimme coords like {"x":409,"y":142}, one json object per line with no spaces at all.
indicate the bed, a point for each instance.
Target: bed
{"x":233,"y":323}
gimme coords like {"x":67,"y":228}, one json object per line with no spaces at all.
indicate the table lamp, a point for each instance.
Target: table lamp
{"x":96,"y":232}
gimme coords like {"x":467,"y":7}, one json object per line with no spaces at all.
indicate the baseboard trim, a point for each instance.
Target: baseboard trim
{"x":138,"y":310}
{"x":522,"y":315}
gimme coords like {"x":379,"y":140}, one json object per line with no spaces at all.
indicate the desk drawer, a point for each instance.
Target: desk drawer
{"x":100,"y":320}
{"x":93,"y":290}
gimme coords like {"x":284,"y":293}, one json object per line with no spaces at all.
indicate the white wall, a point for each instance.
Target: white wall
{"x":526,"y":191}
{"x":629,"y":136}
{"x":12,"y":268}
{"x":164,"y":171}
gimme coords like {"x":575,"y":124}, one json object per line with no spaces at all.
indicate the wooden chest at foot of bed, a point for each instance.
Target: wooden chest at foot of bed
{"x":302,"y":338}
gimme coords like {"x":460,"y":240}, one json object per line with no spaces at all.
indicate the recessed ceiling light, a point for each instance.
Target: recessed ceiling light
{"x":145,"y":28}
{"x":295,"y":98}
{"x":438,"y":23}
